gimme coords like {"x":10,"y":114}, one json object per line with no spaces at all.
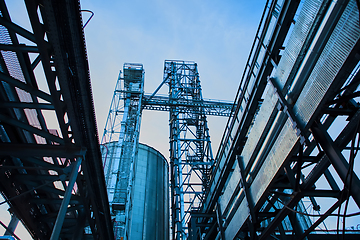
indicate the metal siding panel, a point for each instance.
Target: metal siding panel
{"x":149,"y":216}
{"x":341,"y":42}
{"x":230,"y":189}
{"x":279,"y":151}
{"x":254,"y":136}
{"x":261,"y":120}
{"x":237,"y":221}
{"x":297,"y":39}
{"x":276,"y":157}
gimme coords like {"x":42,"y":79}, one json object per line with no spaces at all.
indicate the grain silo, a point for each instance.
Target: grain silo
{"x":145,"y":214}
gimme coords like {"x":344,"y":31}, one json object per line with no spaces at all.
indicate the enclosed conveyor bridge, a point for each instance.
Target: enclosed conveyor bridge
{"x":286,"y":161}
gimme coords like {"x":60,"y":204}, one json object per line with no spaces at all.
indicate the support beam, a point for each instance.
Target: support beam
{"x":27,"y":105}
{"x":16,"y":83}
{"x":220,"y":221}
{"x":20,"y":47}
{"x":27,"y":127}
{"x":12,"y":225}
{"x":16,"y":28}
{"x":337,"y":160}
{"x":13,"y":234}
{"x":41,"y":150}
{"x":63,"y":208}
{"x":250,"y":200}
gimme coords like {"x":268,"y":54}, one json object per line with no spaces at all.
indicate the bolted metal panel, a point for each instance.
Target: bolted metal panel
{"x":261,"y":126}
{"x":279,"y":152}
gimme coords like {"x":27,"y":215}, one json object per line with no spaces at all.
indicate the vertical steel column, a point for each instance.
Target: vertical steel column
{"x":190,"y":147}
{"x":175,"y":158}
{"x":193,"y":228}
{"x":122,"y":129}
{"x":219,"y":219}
{"x":65,"y":202}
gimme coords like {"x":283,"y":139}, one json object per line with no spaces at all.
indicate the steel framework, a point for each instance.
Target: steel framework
{"x":190,"y":147}
{"x":122,"y":128}
{"x":209,"y":107}
{"x":191,"y":157}
{"x":288,"y":153}
{"x":50,"y":162}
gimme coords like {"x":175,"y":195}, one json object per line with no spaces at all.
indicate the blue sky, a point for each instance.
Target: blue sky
{"x":215,"y":34}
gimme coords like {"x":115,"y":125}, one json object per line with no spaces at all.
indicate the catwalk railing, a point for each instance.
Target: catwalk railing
{"x":209,"y":107}
{"x":285,"y":167}
{"x":50,"y":166}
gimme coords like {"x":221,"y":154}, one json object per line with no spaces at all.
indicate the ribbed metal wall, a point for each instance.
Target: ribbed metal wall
{"x":297,"y":38}
{"x":148,"y":214}
{"x":337,"y":49}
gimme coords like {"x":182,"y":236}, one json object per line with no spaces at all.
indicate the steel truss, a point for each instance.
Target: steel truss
{"x":282,"y":172}
{"x":190,"y":147}
{"x":191,"y":157}
{"x":122,"y":131}
{"x":50,"y":163}
{"x":209,"y":107}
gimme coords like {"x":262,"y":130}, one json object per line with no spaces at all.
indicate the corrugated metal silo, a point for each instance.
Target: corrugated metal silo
{"x":145,"y":214}
{"x":149,"y":216}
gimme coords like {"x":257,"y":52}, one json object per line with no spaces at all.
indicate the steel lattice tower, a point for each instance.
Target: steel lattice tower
{"x":122,"y":129}
{"x":191,"y":155}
